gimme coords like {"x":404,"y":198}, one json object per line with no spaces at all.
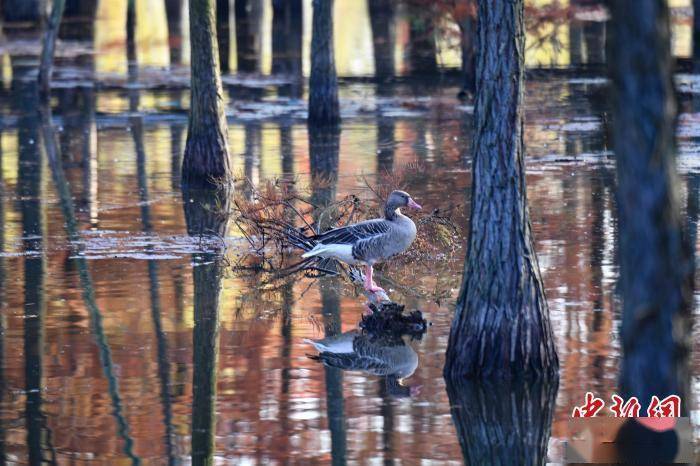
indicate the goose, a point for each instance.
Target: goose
{"x":386,"y":356}
{"x":370,"y":241}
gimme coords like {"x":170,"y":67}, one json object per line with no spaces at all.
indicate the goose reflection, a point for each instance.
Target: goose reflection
{"x":385,"y":352}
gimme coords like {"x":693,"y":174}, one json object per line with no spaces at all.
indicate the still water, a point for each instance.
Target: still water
{"x":97,"y":321}
{"x":97,"y":329}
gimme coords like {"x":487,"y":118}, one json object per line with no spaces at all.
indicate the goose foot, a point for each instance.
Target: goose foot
{"x":373,"y":288}
{"x":369,"y":281}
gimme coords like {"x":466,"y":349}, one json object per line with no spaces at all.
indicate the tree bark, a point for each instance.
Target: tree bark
{"x":503,"y":423}
{"x":206,"y":160}
{"x":501,"y":326}
{"x":324,"y":109}
{"x":656,"y":262}
{"x":381,"y":15}
{"x":696,"y":32}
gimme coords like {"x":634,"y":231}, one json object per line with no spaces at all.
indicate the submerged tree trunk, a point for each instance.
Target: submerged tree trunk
{"x":501,"y":325}
{"x":503,"y":423}
{"x":467,"y":28}
{"x":656,"y":262}
{"x":381,"y":15}
{"x":323,"y":83}
{"x":422,"y":53}
{"x":206,"y":161}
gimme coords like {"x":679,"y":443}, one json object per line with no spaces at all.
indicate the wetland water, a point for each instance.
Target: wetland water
{"x":97,"y":321}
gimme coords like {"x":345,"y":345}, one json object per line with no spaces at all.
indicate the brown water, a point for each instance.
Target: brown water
{"x":96,"y":335}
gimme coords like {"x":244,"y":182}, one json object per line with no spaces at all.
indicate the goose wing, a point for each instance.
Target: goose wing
{"x":354,"y":362}
{"x":355,"y":233}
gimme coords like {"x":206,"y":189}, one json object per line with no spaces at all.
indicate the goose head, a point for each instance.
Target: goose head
{"x":398,"y":199}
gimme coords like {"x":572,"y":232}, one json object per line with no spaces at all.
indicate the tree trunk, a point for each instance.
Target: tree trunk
{"x":22,"y":11}
{"x":206,"y":161}
{"x":381,"y":15}
{"x":323,"y":83}
{"x":656,"y":262}
{"x":248,"y":35}
{"x":131,"y":57}
{"x":173,"y":11}
{"x":503,"y":423}
{"x":223,"y":31}
{"x":78,"y":21}
{"x":422,"y":52}
{"x":696,"y":31}
{"x":501,"y":325}
{"x":323,"y":160}
{"x":287,"y":33}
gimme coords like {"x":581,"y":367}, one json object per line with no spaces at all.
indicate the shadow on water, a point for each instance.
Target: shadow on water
{"x":503,"y":423}
{"x":206,"y":214}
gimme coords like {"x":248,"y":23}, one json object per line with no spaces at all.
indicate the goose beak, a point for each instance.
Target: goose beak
{"x":413,"y":204}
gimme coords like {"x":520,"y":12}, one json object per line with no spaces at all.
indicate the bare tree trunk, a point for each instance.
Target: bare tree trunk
{"x":78,"y":22}
{"x":248,"y":34}
{"x":22,"y":11}
{"x":696,"y":31}
{"x":501,"y":325}
{"x":422,"y":52}
{"x":223,"y":30}
{"x":503,"y":423}
{"x":49,"y":46}
{"x":131,"y":57}
{"x":324,"y":109}
{"x":656,"y":262}
{"x":381,"y":15}
{"x":173,"y":11}
{"x":206,"y":161}
{"x":287,"y":32}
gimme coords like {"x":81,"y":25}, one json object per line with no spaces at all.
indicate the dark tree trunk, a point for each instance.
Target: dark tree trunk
{"x":656,"y":262}
{"x":501,"y":325}
{"x":206,"y":161}
{"x":422,"y":53}
{"x":248,"y":35}
{"x":49,"y":46}
{"x":594,"y":35}
{"x":323,"y":160}
{"x":173,"y":11}
{"x":381,"y":15}
{"x":3,"y":291}
{"x":223,"y":31}
{"x":131,"y":58}
{"x":503,"y":423}
{"x":206,"y":214}
{"x":287,"y":32}
{"x":386,"y":143}
{"x":324,"y":109}
{"x":78,"y":20}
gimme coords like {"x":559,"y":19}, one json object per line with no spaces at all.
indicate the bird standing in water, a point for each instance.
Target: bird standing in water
{"x":366,"y":243}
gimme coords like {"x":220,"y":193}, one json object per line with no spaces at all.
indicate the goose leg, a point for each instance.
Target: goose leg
{"x":369,"y":282}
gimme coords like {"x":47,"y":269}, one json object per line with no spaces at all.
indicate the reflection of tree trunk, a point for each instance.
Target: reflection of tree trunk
{"x":501,"y":325}
{"x":286,"y":360}
{"x":206,"y":161}
{"x":656,"y":262}
{"x":323,"y":82}
{"x":422,"y":54}
{"x":386,"y":410}
{"x":96,"y":326}
{"x":287,"y":32}
{"x":136,"y":126}
{"x":30,"y":192}
{"x":594,"y":35}
{"x":173,"y":11}
{"x":223,"y":31}
{"x":206,"y":214}
{"x":248,"y":34}
{"x":3,"y":459}
{"x":385,"y":145}
{"x":381,"y":15}
{"x":503,"y":423}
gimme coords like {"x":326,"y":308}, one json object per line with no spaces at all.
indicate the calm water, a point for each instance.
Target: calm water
{"x":96,"y":335}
